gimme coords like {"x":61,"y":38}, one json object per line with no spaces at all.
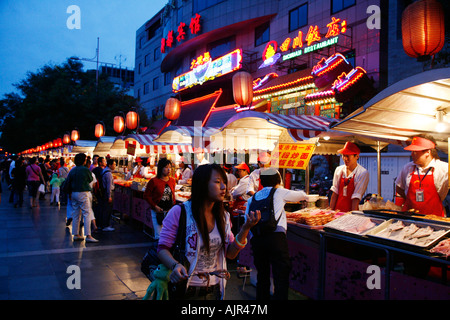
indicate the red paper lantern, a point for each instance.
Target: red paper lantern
{"x":66,"y":138}
{"x":119,"y":124}
{"x":423,"y":29}
{"x":243,"y":88}
{"x":173,"y":109}
{"x":75,"y":135}
{"x":99,"y":130}
{"x":132,"y":120}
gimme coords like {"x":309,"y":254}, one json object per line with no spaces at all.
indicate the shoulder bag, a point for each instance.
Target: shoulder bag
{"x":151,"y":261}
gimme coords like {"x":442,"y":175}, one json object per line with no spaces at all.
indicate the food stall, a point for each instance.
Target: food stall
{"x":103,"y":146}
{"x":82,"y":146}
{"x":129,"y":190}
{"x":379,"y":253}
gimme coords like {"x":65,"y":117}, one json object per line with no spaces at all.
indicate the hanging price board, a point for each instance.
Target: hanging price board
{"x":292,"y":156}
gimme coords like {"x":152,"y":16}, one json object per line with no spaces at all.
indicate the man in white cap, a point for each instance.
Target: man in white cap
{"x":254,"y":180}
{"x":423,"y":183}
{"x":200,"y":155}
{"x":350,"y":180}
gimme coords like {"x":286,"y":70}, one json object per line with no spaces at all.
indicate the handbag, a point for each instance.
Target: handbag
{"x":41,"y":188}
{"x":151,"y":261}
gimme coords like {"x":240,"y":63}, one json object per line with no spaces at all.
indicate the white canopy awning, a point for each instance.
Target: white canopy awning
{"x":406,"y":108}
{"x":83,"y":146}
{"x":148,"y":145}
{"x":259,"y":130}
{"x":103,"y":146}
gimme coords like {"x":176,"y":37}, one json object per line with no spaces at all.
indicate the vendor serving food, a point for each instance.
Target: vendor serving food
{"x":350,"y":180}
{"x":423,"y":183}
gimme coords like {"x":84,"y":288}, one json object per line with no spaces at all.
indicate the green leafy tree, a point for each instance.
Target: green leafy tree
{"x":57,"y":99}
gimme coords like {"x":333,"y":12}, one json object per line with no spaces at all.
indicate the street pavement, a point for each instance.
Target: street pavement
{"x":39,"y":259}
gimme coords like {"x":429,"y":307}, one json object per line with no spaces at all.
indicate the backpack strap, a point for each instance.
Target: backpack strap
{"x":180,"y":240}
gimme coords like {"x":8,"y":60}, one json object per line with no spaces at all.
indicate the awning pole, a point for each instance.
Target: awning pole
{"x":379,"y":166}
{"x":307,"y":178}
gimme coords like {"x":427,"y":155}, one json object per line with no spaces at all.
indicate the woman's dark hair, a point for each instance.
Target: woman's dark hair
{"x":32,"y":160}
{"x":270,"y":177}
{"x":162,"y":163}
{"x":199,"y":196}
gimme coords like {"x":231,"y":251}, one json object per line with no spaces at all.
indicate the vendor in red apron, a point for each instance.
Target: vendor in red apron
{"x":423,"y":183}
{"x":239,"y":192}
{"x":138,"y":169}
{"x":350,"y":180}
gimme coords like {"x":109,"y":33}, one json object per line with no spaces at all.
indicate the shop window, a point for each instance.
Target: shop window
{"x":156,"y":53}
{"x":155,"y":83}
{"x":167,"y":79}
{"x":262,"y":34}
{"x":154,"y":30}
{"x":339,"y":5}
{"x":350,"y":57}
{"x":298,"y":17}
{"x":221,"y":47}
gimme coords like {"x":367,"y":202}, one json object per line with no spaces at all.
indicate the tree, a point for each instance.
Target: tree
{"x":55,"y":100}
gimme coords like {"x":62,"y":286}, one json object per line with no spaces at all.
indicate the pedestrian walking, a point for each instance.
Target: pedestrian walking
{"x":108,"y":195}
{"x":79,"y":179}
{"x":19,"y":181}
{"x":97,"y":191}
{"x":55,"y":184}
{"x":34,"y":179}
{"x":63,"y":171}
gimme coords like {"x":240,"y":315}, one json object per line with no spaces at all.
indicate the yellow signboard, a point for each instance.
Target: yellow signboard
{"x":292,"y":156}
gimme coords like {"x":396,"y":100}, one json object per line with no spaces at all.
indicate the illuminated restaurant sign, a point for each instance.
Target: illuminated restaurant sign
{"x":204,"y":68}
{"x":304,"y":43}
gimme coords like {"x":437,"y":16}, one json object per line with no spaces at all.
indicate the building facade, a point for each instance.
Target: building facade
{"x":278,"y":42}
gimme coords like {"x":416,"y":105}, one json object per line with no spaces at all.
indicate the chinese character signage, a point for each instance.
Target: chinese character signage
{"x":304,"y":43}
{"x":169,"y":40}
{"x":204,"y":68}
{"x":292,"y":156}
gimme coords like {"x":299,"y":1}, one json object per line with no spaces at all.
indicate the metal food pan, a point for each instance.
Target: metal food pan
{"x":374,"y":233}
{"x":331,"y":226}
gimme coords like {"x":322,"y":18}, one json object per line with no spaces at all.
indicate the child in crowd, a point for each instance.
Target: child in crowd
{"x":55,"y":183}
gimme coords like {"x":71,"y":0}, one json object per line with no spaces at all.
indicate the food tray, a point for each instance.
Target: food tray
{"x":353,"y":223}
{"x":382,"y":232}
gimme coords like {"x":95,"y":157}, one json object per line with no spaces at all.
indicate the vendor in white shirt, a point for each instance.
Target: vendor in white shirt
{"x":200,"y":155}
{"x":184,"y":172}
{"x":423,"y":183}
{"x":254,"y":183}
{"x":350,"y":180}
{"x":231,"y":178}
{"x":239,"y":192}
{"x":140,"y":171}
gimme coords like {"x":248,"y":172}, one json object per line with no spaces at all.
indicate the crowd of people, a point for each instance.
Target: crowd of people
{"x":210,"y":239}
{"x":85,"y":186}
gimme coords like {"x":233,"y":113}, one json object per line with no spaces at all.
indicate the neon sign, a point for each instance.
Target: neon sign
{"x":335,"y":28}
{"x":194,"y":26}
{"x":203,"y":70}
{"x":269,"y":55}
{"x":326,"y":71}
